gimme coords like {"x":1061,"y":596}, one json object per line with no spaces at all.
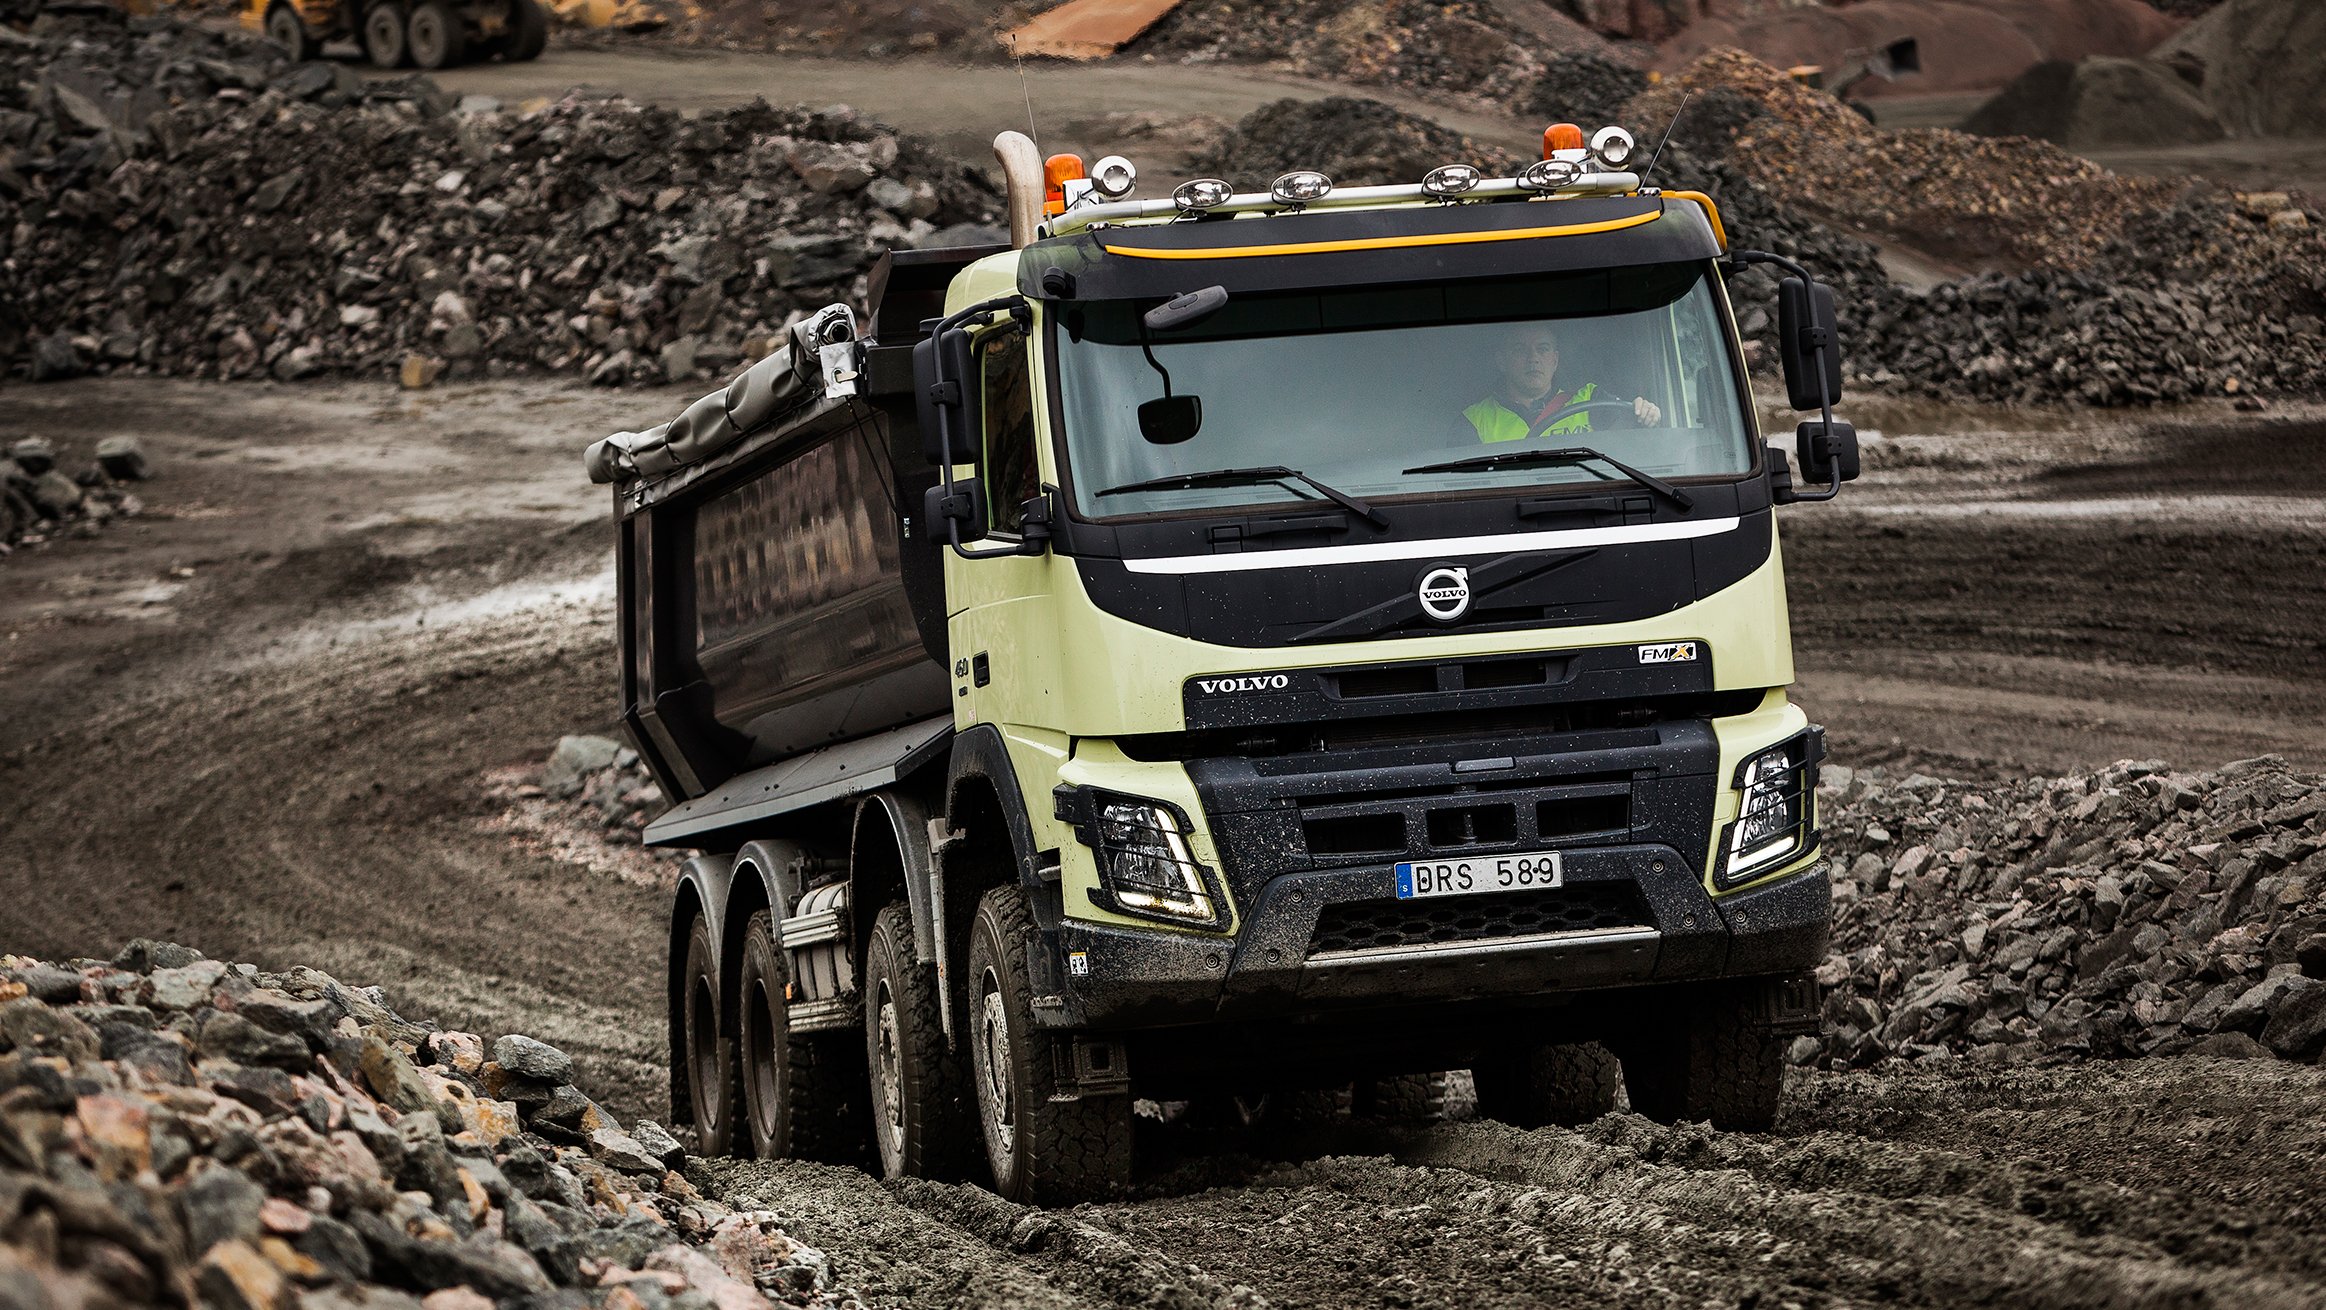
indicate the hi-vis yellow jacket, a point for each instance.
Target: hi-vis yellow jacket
{"x":1496,"y":421}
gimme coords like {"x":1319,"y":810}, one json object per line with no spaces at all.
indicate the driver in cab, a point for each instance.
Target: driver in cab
{"x":1530,"y":395}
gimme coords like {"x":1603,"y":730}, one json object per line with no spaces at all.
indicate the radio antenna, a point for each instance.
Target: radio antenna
{"x":1651,"y":168}
{"x":1020,"y":60}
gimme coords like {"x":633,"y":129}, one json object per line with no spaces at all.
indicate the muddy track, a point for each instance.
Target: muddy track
{"x":2170,"y":1182}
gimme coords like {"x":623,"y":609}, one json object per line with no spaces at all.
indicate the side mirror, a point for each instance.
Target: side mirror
{"x":1169,"y":420}
{"x":946,"y":395}
{"x":964,"y":504}
{"x":1806,"y":335}
{"x":1829,"y":451}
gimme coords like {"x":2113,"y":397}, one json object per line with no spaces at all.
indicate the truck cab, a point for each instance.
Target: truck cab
{"x":1233,"y":644}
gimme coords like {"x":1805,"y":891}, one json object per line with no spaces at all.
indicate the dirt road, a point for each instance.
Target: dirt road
{"x":2151,"y":1183}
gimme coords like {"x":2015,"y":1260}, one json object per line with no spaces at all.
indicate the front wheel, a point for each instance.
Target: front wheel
{"x":1045,"y":1148}
{"x":1411,"y":1098}
{"x":803,"y":1093}
{"x":435,"y":35}
{"x":286,"y":29}
{"x":921,"y":1115}
{"x":1567,"y":1084}
{"x":1710,"y":1059}
{"x":528,"y":30}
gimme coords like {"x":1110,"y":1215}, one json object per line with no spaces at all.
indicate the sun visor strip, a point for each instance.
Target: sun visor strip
{"x":1371,"y":247}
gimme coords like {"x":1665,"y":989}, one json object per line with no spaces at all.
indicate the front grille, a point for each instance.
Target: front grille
{"x":1375,"y":925}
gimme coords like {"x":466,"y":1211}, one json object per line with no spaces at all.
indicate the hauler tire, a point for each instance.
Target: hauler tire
{"x":436,"y":34}
{"x":1566,"y":1084}
{"x":714,"y":1089}
{"x":1043,"y":1151}
{"x":1710,"y":1059}
{"x":385,"y":43}
{"x":803,"y":1093}
{"x":1412,"y":1098}
{"x":528,"y":31}
{"x":285,"y":28}
{"x":924,"y":1123}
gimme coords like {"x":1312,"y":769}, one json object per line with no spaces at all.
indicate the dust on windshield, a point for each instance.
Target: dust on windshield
{"x":1354,"y":387}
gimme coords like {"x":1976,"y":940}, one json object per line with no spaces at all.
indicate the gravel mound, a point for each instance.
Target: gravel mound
{"x":199,"y":207}
{"x":1352,"y":141}
{"x":1465,"y":47}
{"x":2262,"y":64}
{"x":177,"y":1130}
{"x":1586,"y":89}
{"x":2133,"y":911}
{"x":2098,"y":103}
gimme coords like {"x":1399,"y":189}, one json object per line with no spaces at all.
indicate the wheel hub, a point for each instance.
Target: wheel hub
{"x":890,"y":1072}
{"x":993,"y":1066}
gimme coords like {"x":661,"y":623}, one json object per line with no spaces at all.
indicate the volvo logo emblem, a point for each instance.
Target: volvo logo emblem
{"x":1445,"y":593}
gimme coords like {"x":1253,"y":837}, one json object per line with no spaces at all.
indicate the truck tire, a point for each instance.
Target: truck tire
{"x":1412,"y":1098}
{"x":923,"y":1123}
{"x":528,"y":31}
{"x":1712,"y":1060}
{"x":1566,"y":1084}
{"x":1044,"y":1151}
{"x":714,"y":1089}
{"x":436,"y":35}
{"x":803,"y":1093}
{"x":384,"y":42}
{"x":286,"y":29}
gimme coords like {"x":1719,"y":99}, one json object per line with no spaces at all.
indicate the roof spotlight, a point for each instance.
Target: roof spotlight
{"x":1113,"y":177}
{"x":1550,"y":174}
{"x":1202,"y":193}
{"x":1612,"y":145}
{"x":1300,"y":186}
{"x":1450,"y":180}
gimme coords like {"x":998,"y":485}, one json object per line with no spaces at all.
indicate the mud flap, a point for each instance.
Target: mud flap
{"x":1791,"y":1006}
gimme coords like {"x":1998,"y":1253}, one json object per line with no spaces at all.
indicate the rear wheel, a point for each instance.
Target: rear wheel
{"x":286,"y":29}
{"x":1044,"y":1150}
{"x":714,"y":1093}
{"x":802,"y":1092}
{"x":435,"y":35}
{"x":1567,"y":1084}
{"x":922,"y":1119}
{"x":383,"y":36}
{"x":1712,"y":1058}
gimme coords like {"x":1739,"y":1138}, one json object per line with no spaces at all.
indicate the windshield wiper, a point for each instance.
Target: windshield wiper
{"x":1565,"y":455}
{"x":1263,"y":473}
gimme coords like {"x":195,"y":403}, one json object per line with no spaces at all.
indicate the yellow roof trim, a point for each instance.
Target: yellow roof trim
{"x":1392,"y":243}
{"x":1711,"y":211}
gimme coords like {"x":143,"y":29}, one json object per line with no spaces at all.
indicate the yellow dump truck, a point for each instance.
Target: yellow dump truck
{"x":401,"y":33}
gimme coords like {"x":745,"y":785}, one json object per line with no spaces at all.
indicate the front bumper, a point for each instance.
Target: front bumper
{"x":1304,"y":947}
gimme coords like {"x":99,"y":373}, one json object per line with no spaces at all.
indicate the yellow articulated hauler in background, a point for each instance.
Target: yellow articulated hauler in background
{"x":1229,"y":644}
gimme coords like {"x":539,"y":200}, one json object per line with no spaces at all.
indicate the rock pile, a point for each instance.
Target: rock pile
{"x":38,"y":500}
{"x":176,"y":1130}
{"x":181,"y":202}
{"x":2133,"y":911}
{"x":1462,"y":47}
{"x":1354,"y":142}
{"x":603,"y":779}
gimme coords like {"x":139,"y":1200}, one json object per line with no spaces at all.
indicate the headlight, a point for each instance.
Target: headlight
{"x":1772,"y":818}
{"x":1145,"y":867}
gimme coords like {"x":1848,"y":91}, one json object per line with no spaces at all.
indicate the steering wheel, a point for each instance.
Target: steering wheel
{"x":1584,"y":407}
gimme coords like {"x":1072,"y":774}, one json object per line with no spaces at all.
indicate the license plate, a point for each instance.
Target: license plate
{"x":1420,"y":879}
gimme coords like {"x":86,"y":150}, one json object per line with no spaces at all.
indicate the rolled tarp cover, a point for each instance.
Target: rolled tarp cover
{"x":760,"y":395}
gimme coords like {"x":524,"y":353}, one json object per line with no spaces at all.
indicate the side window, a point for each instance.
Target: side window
{"x":1011,"y":475}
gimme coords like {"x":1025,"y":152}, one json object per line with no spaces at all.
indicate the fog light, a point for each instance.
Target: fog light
{"x":1450,"y":180}
{"x":1145,"y":866}
{"x":1612,"y":145}
{"x":1113,"y":177}
{"x":1300,"y":186}
{"x":1772,"y":817}
{"x":1202,"y":193}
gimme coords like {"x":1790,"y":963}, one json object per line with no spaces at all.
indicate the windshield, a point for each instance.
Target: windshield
{"x":1354,"y":387}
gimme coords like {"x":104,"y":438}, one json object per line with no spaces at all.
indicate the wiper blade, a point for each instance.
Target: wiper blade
{"x":1263,"y":473}
{"x":1564,"y":455}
